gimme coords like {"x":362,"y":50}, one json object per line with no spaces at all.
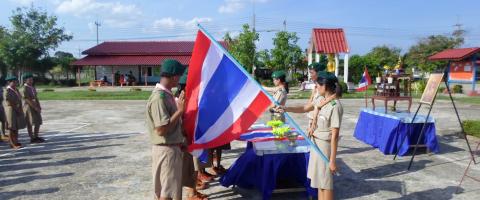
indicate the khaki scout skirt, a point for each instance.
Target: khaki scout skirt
{"x":318,"y":171}
{"x":32,"y":116}
{"x":15,"y":120}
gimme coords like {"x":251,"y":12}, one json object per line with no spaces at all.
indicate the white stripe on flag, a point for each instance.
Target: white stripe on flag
{"x":236,"y":108}
{"x":210,"y":65}
{"x":362,"y":85}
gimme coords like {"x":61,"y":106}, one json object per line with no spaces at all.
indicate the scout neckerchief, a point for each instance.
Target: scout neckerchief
{"x":163,"y":88}
{"x":19,"y":96}
{"x":34,"y":91}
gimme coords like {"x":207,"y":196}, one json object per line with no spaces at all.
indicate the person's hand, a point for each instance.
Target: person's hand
{"x":181,"y":102}
{"x":333,"y":167}
{"x":279,"y":109}
{"x":310,"y":132}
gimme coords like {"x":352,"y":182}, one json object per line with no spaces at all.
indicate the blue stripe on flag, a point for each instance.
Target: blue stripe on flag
{"x":224,"y":85}
{"x":203,"y":156}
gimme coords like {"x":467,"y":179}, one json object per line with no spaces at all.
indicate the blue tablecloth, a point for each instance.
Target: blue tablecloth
{"x":263,"y":172}
{"x":385,"y":131}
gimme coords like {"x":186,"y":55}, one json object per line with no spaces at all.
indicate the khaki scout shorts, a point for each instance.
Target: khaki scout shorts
{"x":167,"y":171}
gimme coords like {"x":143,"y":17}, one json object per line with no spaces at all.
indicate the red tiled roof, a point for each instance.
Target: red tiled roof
{"x":129,"y":60}
{"x":143,"y":48}
{"x":455,"y":54}
{"x":329,"y":40}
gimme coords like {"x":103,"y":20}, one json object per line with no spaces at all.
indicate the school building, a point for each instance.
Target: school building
{"x":140,"y":59}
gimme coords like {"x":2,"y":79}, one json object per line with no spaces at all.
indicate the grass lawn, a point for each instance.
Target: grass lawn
{"x":472,"y":127}
{"x":94,"y":95}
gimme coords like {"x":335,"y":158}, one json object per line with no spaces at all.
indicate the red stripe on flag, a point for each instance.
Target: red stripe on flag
{"x":243,"y":123}
{"x":200,"y":50}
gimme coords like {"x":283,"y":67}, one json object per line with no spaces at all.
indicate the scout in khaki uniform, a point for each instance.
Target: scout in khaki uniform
{"x":13,"y":111}
{"x":164,"y":124}
{"x":32,"y":109}
{"x":315,"y":98}
{"x":189,"y":174}
{"x":3,"y":119}
{"x":325,"y":136}
{"x":280,"y":92}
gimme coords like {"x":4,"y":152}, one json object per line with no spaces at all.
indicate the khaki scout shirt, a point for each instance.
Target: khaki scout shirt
{"x":280,"y":95}
{"x":329,"y":117}
{"x":160,"y":107}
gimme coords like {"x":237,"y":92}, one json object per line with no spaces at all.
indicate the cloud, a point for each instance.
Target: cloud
{"x":169,"y":23}
{"x":113,"y":14}
{"x":231,"y":6}
{"x":23,"y":2}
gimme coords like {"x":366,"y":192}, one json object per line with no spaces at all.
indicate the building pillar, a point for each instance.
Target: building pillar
{"x":309,"y":55}
{"x":336,"y":65}
{"x":345,"y":68}
{"x":317,"y":57}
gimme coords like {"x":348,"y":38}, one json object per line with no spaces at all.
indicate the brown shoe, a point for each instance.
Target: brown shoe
{"x":220,"y":170}
{"x":205,"y":177}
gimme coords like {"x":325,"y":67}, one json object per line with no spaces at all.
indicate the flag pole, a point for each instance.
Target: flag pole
{"x":290,"y":119}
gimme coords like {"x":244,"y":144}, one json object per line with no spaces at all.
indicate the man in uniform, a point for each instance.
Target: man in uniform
{"x":32,"y":109}
{"x":164,"y":125}
{"x":3,"y":119}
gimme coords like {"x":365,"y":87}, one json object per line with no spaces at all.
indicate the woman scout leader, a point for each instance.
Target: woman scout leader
{"x":32,"y":109}
{"x":13,"y":111}
{"x":280,"y":92}
{"x":325,"y":136}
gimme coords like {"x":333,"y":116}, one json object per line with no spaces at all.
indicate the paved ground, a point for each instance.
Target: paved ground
{"x":97,"y":150}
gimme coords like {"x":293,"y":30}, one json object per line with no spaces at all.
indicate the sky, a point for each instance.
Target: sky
{"x":367,"y":23}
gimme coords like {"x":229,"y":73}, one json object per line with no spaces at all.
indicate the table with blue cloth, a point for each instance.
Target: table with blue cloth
{"x":386,"y":131}
{"x":268,"y":162}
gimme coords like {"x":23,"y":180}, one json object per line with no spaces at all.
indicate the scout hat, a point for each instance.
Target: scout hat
{"x":323,"y":75}
{"x":10,"y":78}
{"x":317,"y":67}
{"x":172,"y":67}
{"x":278,"y":74}
{"x":27,"y":75}
{"x":183,"y":79}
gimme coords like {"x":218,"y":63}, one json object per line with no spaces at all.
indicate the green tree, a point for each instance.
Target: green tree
{"x":34,"y":33}
{"x":243,"y":47}
{"x":418,"y":54}
{"x":63,"y":59}
{"x":383,"y":55}
{"x":285,"y":53}
{"x":264,"y":59}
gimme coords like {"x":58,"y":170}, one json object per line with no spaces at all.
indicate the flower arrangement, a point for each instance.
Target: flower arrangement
{"x":275,"y":123}
{"x":280,"y":132}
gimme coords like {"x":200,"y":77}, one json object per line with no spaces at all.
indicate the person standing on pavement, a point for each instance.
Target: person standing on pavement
{"x":3,"y":119}
{"x":13,"y":111}
{"x":164,"y":125}
{"x":32,"y":109}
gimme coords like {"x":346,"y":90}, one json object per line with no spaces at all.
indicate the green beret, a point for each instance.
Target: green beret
{"x":172,"y":67}
{"x":317,"y":67}
{"x":327,"y":76}
{"x":183,"y":79}
{"x":27,"y":75}
{"x":278,"y":74}
{"x":11,"y":78}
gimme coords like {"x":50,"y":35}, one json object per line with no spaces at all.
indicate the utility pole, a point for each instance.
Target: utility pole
{"x":97,"y":24}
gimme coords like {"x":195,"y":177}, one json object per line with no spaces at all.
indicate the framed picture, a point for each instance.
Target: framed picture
{"x":430,"y":91}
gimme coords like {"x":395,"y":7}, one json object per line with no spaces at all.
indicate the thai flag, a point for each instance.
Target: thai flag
{"x":364,"y":82}
{"x":222,"y":100}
